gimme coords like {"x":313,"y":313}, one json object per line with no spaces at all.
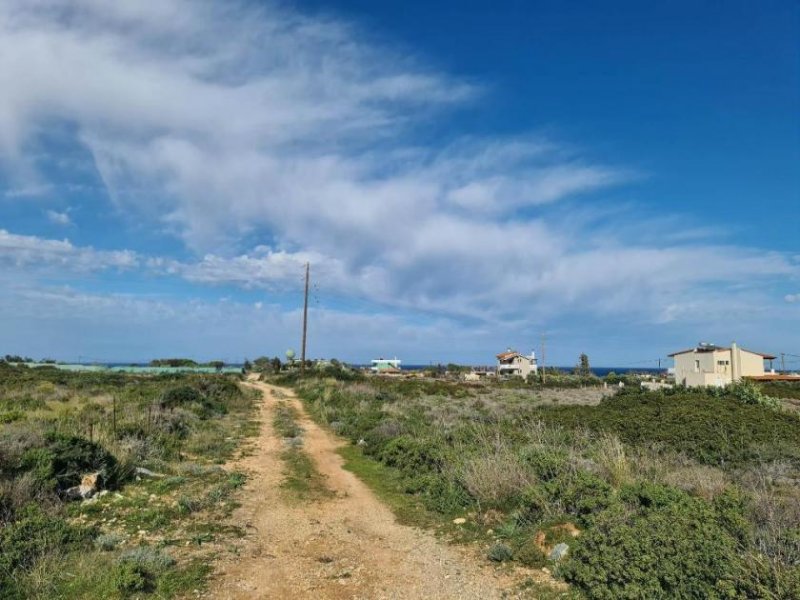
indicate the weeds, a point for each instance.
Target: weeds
{"x":75,"y":424}
{"x":712,"y":478}
{"x":301,"y":476}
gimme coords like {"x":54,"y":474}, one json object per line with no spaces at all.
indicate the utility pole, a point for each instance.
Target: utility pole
{"x":783,"y":362}
{"x":544,"y":370}
{"x":305,"y":324}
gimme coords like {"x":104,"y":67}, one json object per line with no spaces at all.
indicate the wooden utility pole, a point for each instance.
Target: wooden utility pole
{"x":544,"y":370}
{"x":305,"y":324}
{"x":783,"y":362}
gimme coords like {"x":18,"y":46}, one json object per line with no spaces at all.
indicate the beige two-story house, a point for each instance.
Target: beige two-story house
{"x":711,"y":365}
{"x":512,"y":363}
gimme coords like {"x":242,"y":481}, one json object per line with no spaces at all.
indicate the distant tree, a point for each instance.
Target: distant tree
{"x":583,"y":369}
{"x":15,"y":358}
{"x":276,"y":365}
{"x":248,"y":366}
{"x":217,"y":364}
{"x":262,"y":363}
{"x":173,"y":362}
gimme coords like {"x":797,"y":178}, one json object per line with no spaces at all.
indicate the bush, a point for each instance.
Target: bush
{"x":107,"y":541}
{"x":750,"y":393}
{"x":129,"y":578}
{"x":546,"y":462}
{"x":183,"y":395}
{"x":718,"y":431}
{"x":581,"y":495}
{"x":33,"y":534}
{"x":500,"y":553}
{"x":411,"y":455}
{"x":63,"y":460}
{"x":669,"y":546}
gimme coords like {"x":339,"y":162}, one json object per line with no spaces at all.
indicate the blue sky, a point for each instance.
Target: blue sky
{"x":462,"y":176}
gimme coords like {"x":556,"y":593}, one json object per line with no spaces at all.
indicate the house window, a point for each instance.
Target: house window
{"x":696,"y":366}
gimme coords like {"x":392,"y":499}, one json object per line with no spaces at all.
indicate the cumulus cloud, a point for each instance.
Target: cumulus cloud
{"x":225,"y":121}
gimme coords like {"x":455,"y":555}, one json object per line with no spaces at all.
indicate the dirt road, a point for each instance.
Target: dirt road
{"x":348,"y":546}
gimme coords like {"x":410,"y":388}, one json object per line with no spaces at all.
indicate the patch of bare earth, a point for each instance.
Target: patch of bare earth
{"x":346,"y":546}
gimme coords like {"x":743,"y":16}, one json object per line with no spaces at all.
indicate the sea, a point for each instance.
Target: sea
{"x":599,"y":371}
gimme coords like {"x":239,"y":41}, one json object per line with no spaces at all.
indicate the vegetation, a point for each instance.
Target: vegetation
{"x":152,"y":446}
{"x":675,"y":494}
{"x":781,"y":389}
{"x":173,"y":362}
{"x":583,"y":369}
{"x":302,"y":478}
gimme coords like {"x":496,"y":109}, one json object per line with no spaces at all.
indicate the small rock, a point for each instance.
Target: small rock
{"x":559,"y":552}
{"x":459,"y":521}
{"x":147,"y":473}
{"x":545,"y":570}
{"x":87,"y":488}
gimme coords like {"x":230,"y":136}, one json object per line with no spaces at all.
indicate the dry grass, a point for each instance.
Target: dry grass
{"x":613,"y":461}
{"x":700,"y":480}
{"x":496,"y":475}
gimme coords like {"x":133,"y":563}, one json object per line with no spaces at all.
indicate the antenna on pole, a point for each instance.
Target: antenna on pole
{"x":305,"y":324}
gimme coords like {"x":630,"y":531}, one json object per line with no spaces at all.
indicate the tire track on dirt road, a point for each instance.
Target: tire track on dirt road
{"x":348,"y":546}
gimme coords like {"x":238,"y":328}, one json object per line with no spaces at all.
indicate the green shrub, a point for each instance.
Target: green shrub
{"x":65,"y":459}
{"x":719,"y":431}
{"x":732,"y":509}
{"x":500,"y":553}
{"x":130,"y":578}
{"x":33,"y":534}
{"x":582,"y":495}
{"x":183,"y":395}
{"x":411,"y":455}
{"x":751,"y":393}
{"x":671,"y":547}
{"x":107,"y":541}
{"x":11,"y":416}
{"x":546,"y":462}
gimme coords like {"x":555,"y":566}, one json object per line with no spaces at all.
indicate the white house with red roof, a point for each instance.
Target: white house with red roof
{"x":513,"y":364}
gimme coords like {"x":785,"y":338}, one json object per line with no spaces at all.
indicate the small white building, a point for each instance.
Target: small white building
{"x":513,"y":364}
{"x":386,"y":365}
{"x":711,"y":365}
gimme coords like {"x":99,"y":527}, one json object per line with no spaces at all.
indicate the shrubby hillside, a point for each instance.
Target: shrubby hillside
{"x":106,"y":478}
{"x":678,"y":494}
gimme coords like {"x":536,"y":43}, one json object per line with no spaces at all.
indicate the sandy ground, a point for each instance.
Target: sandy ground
{"x":348,"y":546}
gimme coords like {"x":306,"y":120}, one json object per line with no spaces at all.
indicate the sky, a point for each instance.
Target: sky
{"x":621,"y":179}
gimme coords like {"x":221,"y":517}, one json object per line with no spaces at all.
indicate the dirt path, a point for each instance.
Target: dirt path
{"x":349,"y":546}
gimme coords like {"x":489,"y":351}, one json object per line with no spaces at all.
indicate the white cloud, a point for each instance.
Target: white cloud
{"x":31,"y":251}
{"x":28,"y":191}
{"x":58,"y":218}
{"x":228,"y":122}
{"x":790,"y":298}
